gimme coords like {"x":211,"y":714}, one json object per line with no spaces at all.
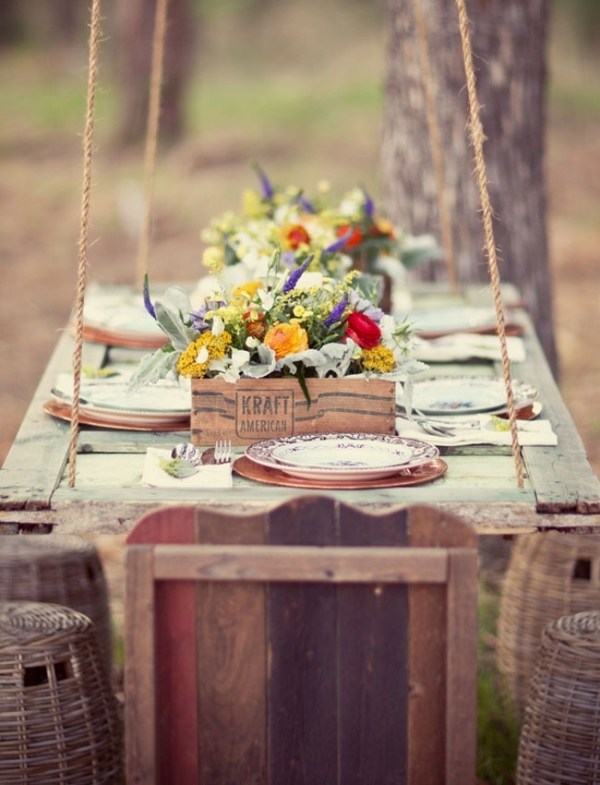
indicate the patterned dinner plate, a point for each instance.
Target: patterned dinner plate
{"x":344,"y":456}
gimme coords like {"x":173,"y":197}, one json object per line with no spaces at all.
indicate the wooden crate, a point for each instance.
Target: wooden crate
{"x":255,"y":409}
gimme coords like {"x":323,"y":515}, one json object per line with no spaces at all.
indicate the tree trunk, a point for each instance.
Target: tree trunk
{"x":135,"y":20}
{"x":509,"y":45}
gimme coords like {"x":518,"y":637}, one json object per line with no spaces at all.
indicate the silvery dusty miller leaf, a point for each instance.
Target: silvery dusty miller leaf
{"x":177,"y":467}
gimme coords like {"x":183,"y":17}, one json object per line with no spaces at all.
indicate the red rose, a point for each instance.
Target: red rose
{"x":363,"y":331}
{"x":354,"y":237}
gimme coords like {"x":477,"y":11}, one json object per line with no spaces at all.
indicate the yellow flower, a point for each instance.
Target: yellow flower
{"x":286,"y":338}
{"x":379,"y":359}
{"x":194,"y":361}
{"x":246,"y":291}
{"x":299,"y":311}
{"x":252,"y":205}
{"x":213,"y":258}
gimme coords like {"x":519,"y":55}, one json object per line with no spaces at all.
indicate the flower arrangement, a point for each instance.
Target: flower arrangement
{"x":334,"y":236}
{"x":277,"y":327}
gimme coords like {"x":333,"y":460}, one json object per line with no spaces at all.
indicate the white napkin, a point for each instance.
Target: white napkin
{"x":466,"y":346}
{"x":207,"y":476}
{"x":529,"y":432}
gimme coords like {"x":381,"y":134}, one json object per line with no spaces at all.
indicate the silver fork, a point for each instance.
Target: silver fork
{"x":223,"y":451}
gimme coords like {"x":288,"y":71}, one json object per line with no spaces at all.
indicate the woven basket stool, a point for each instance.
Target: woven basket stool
{"x":549,"y":575}
{"x":62,"y":569}
{"x":58,"y":720}
{"x":560,"y":739}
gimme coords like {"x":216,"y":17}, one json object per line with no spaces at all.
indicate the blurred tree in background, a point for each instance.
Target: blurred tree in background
{"x":509,"y":42}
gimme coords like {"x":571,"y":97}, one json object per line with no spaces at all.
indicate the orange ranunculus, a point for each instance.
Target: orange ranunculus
{"x":293,"y":236}
{"x":354,"y":237}
{"x":286,"y":338}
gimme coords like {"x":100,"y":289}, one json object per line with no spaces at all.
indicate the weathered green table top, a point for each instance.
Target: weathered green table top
{"x":561,"y":490}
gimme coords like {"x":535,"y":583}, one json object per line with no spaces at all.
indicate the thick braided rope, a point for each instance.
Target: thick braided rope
{"x":477,"y":139}
{"x":435,"y":142}
{"x":156,"y":78}
{"x":88,"y":137}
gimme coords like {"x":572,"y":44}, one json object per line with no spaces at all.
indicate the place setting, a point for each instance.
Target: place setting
{"x":462,"y":410}
{"x":118,"y":318}
{"x":109,"y":402}
{"x":341,"y":461}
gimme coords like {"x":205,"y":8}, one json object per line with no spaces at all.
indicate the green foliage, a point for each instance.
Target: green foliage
{"x":497,"y":724}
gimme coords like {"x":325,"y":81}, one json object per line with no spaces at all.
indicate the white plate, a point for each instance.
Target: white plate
{"x":451,"y":319}
{"x":113,"y":396}
{"x":343,"y":455}
{"x":120,"y":313}
{"x":467,"y":394}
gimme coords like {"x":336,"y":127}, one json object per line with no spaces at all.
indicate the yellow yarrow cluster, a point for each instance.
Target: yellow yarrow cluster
{"x":379,"y":360}
{"x":207,"y":347}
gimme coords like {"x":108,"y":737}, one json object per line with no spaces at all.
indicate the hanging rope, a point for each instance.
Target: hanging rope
{"x":477,"y":139}
{"x":435,"y":141}
{"x":88,"y":137}
{"x":156,"y":77}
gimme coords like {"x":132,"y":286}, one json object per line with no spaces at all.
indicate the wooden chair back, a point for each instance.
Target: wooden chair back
{"x":312,"y":644}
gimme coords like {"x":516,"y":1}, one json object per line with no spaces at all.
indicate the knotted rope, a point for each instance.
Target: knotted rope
{"x":435,"y":142}
{"x":477,"y":140}
{"x":83,"y":232}
{"x":156,"y":78}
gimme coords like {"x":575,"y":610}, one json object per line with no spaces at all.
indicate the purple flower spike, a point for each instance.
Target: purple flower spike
{"x":198,"y":320}
{"x":337,"y":312}
{"x":307,"y":206}
{"x":294,"y":277}
{"x":369,"y":204}
{"x":147,"y":301}
{"x":338,"y":244}
{"x":267,"y":188}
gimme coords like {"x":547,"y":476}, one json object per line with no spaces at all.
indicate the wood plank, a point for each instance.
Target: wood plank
{"x":140,"y":704}
{"x":232,"y":662}
{"x":427,"y":652}
{"x":175,"y":652}
{"x":35,"y":462}
{"x":461,"y":691}
{"x":302,"y":699}
{"x":562,"y":476}
{"x":373,"y":669}
{"x":307,"y":564}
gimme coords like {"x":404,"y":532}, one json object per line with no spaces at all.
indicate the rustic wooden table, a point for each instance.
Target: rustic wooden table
{"x":561,"y":490}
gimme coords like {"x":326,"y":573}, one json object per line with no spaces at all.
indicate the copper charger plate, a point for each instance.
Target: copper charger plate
{"x":247,"y":468}
{"x":63,"y":412}
{"x":124,"y":340}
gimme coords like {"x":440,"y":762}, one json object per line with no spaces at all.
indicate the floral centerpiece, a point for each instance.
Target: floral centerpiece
{"x":277,"y":327}
{"x":336,"y":237}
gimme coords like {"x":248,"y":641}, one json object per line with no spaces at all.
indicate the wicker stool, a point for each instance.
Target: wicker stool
{"x":61,"y":569}
{"x":549,"y":575}
{"x":58,"y":721}
{"x":560,"y":739}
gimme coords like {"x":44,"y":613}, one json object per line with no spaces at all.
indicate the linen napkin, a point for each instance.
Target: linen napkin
{"x":466,"y":346}
{"x":529,"y":432}
{"x":208,"y":475}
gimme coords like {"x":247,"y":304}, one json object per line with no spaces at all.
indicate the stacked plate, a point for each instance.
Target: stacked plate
{"x":109,"y":403}
{"x":447,"y":395}
{"x":342,"y":460}
{"x":119,"y":318}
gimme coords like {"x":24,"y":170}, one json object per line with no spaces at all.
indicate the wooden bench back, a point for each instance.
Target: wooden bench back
{"x":314,"y":644}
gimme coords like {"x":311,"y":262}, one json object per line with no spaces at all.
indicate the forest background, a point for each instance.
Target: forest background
{"x":295,"y":85}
